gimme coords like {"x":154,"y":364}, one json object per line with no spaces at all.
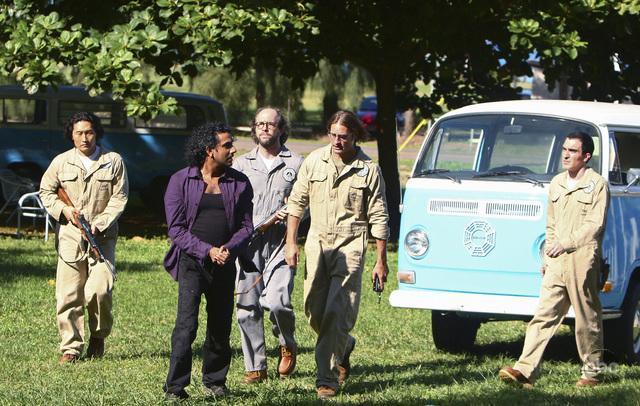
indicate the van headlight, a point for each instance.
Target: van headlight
{"x":416,"y":243}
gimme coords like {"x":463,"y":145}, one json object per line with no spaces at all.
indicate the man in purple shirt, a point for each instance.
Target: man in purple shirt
{"x":209,"y":215}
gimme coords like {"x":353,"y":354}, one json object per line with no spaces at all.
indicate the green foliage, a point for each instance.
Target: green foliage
{"x":394,"y":362}
{"x":236,"y":93}
{"x":176,"y":37}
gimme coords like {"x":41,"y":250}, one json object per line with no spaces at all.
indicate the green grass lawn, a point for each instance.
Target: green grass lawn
{"x":394,"y":362}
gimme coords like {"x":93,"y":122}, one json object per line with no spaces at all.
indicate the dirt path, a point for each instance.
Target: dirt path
{"x":303,"y":147}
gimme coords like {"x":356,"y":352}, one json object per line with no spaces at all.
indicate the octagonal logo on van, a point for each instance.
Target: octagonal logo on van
{"x":479,"y":238}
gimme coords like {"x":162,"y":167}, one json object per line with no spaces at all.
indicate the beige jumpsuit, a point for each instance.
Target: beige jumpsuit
{"x":101,"y":195}
{"x":576,"y":219}
{"x":342,"y":208}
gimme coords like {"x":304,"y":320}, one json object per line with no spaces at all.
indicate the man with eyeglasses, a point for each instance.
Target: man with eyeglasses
{"x":344,"y":190}
{"x":265,"y":281}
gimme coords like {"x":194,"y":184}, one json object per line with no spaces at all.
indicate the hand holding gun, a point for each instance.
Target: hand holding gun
{"x":85,"y":228}
{"x":377,"y":287}
{"x":264,"y":225}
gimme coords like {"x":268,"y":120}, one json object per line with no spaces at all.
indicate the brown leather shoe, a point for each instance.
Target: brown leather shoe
{"x":68,"y":359}
{"x":513,"y":376}
{"x":326,"y":392}
{"x":287,"y":362}
{"x":588,"y":382}
{"x":96,"y":348}
{"x":255,"y":376}
{"x":344,"y":369}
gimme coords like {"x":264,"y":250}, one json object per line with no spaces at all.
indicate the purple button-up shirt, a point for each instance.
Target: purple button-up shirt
{"x":181,"y":202}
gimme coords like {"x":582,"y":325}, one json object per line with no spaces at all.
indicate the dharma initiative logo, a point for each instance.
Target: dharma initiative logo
{"x":479,"y":238}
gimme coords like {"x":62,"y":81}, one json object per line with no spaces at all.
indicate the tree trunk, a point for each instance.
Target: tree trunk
{"x":261,"y":91}
{"x":388,"y":146}
{"x":329,"y":105}
{"x":409,"y":122}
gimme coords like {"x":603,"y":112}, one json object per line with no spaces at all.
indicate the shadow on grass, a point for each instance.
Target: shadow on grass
{"x":11,"y":271}
{"x":561,"y":347}
{"x":444,"y":373}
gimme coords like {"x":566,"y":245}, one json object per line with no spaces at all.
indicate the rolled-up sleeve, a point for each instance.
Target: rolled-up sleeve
{"x":299,"y":197}
{"x":377,"y":212}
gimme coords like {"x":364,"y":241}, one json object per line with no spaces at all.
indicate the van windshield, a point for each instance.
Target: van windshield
{"x":507,"y":147}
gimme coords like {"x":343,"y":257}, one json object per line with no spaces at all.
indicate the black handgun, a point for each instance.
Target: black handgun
{"x":377,"y":287}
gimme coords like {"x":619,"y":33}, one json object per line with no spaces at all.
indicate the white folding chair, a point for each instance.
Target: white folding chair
{"x":30,"y":205}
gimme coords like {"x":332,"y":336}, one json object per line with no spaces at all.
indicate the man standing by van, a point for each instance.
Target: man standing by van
{"x":577,"y":210}
{"x":344,"y":190}
{"x":95,"y":182}
{"x":265,"y":281}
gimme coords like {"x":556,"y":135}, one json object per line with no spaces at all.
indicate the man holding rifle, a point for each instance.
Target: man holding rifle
{"x":86,"y":182}
{"x":265,"y":281}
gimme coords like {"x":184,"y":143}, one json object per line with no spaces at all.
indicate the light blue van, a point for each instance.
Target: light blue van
{"x":31,"y":133}
{"x":474,"y":212}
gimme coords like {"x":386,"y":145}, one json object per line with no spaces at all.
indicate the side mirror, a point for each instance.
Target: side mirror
{"x":633,"y":177}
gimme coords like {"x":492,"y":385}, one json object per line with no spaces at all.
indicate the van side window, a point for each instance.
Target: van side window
{"x":111,"y":115}
{"x":626,"y":154}
{"x":23,"y":111}
{"x":187,"y":117}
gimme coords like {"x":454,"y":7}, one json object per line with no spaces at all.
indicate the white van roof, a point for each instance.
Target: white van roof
{"x":593,"y":112}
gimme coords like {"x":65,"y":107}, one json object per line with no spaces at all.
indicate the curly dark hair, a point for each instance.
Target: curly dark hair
{"x":349,"y":120}
{"x":96,"y":125}
{"x":203,"y":137}
{"x":283,"y":124}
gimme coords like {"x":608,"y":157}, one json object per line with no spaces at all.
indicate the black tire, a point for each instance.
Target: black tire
{"x":453,"y":333}
{"x":622,"y":335}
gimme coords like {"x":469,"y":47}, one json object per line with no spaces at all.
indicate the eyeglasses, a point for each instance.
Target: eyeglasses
{"x":265,"y":124}
{"x":342,"y":137}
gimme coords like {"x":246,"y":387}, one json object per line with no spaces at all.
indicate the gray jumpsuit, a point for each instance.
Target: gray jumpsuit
{"x":265,"y":254}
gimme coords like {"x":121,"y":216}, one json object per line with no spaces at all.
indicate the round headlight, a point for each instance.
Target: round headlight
{"x":416,"y":243}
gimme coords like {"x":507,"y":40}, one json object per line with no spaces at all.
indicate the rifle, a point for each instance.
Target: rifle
{"x":264,"y":225}
{"x":85,"y":228}
{"x":258,"y":229}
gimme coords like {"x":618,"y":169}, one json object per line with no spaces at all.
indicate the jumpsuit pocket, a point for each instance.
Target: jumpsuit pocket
{"x":104,"y":185}
{"x":317,"y":187}
{"x":356,"y":196}
{"x":586,"y":200}
{"x":68,"y":182}
{"x":67,"y":177}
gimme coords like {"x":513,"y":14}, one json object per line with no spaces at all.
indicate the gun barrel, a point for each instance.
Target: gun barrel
{"x":90,"y":237}
{"x":269,"y":221}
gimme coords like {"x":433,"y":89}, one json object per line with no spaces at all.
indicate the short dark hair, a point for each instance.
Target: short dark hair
{"x":96,"y":125}
{"x":586,"y":139}
{"x":349,"y":120}
{"x":283,"y":124}
{"x":203,"y":137}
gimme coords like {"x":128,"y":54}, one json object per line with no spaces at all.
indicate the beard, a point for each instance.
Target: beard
{"x":268,"y":143}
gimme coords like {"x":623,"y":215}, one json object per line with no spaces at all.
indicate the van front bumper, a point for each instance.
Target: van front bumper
{"x":466,"y":302}
{"x":485,"y":304}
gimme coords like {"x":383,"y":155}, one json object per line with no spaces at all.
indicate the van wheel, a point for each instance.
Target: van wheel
{"x":453,"y":333}
{"x":622,"y":335}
